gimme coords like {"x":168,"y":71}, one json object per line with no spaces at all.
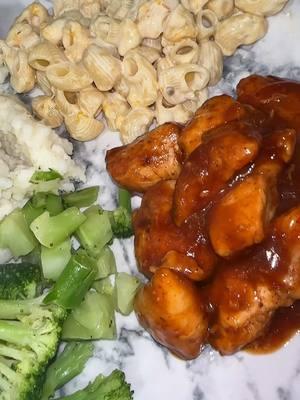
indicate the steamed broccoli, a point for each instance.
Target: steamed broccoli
{"x":67,"y":365}
{"x":121,"y":217}
{"x":20,"y":281}
{"x":30,"y":331}
{"x":112,"y":387}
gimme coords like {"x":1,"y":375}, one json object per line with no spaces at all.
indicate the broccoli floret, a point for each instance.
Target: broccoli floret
{"x":121,"y":218}
{"x":68,"y":364}
{"x":20,"y":281}
{"x":112,"y":387}
{"x":30,"y":331}
{"x":29,"y":337}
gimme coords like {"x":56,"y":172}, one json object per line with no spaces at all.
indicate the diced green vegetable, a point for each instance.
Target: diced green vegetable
{"x":112,"y":387}
{"x":106,"y":263}
{"x":54,"y":204}
{"x":104,"y":286}
{"x":20,"y":281}
{"x":39,"y":200}
{"x":55,"y":259}
{"x":45,"y":176}
{"x":67,"y":365}
{"x":95,"y":232}
{"x":81,"y":198}
{"x":16,"y":235}
{"x":74,"y":281}
{"x":31,"y":212}
{"x":93,"y":319}
{"x":126,"y":289}
{"x":51,"y":231}
{"x":124,"y":199}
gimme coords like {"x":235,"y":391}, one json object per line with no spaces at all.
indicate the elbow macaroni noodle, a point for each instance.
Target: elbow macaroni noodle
{"x":133,"y":61}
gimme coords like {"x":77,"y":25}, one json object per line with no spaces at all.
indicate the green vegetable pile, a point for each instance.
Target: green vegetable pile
{"x":55,"y":292}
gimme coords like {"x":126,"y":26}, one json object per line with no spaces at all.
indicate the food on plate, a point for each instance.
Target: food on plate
{"x":82,"y":298}
{"x":171,"y":309}
{"x":148,"y":160}
{"x":27,"y":146}
{"x":229,"y":220}
{"x":158,"y":240}
{"x":155,"y":58}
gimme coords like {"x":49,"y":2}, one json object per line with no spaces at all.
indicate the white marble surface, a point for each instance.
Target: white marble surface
{"x":153,"y":372}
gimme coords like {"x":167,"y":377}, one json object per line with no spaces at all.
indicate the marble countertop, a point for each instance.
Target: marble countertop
{"x":152,"y":371}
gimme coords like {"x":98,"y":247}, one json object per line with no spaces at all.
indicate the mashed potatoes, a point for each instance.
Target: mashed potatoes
{"x":26,"y":146}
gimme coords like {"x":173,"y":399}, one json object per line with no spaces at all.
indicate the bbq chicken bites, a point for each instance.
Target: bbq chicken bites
{"x":245,"y":294}
{"x":211,"y":166}
{"x":158,"y":240}
{"x":215,"y":112}
{"x":170,"y":308}
{"x":151,"y":158}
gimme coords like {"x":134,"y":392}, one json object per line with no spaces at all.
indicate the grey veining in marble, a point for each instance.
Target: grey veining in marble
{"x":153,"y":372}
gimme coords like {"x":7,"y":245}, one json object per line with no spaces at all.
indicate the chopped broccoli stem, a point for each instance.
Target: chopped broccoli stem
{"x":15,"y":226}
{"x":106,"y":263}
{"x":54,"y":204}
{"x":105,"y":286}
{"x":67,"y":365}
{"x":39,"y":200}
{"x":45,"y":176}
{"x":20,"y":281}
{"x":124,"y":200}
{"x":126,"y":289}
{"x":112,"y":387}
{"x":31,"y":212}
{"x":51,"y":231}
{"x":95,"y":232}
{"x":73,"y":283}
{"x":81,"y":198}
{"x":93,"y":319}
{"x":55,"y":259}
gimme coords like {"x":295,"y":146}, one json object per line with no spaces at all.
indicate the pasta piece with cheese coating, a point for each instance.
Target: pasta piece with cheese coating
{"x":106,"y":28}
{"x":150,"y":19}
{"x":22,"y":35}
{"x":90,"y":101}
{"x":222,"y":8}
{"x":239,"y":29}
{"x":68,"y":76}
{"x":140,"y":77}
{"x":45,"y":108}
{"x":83,"y":127}
{"x":104,"y":68}
{"x":207,"y":23}
{"x":114,"y":106}
{"x":67,"y":102}
{"x":22,"y":76}
{"x":179,"y":25}
{"x":44,"y":54}
{"x":62,"y":6}
{"x":129,"y":36}
{"x":194,"y":5}
{"x":53,"y":32}
{"x":261,"y":7}
{"x":134,"y":124}
{"x":75,"y":40}
{"x":184,"y":52}
{"x":35,"y":15}
{"x":211,"y":57}
{"x":181,"y":82}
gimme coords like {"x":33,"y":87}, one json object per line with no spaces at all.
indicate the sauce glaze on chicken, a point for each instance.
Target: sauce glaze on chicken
{"x":218,"y":230}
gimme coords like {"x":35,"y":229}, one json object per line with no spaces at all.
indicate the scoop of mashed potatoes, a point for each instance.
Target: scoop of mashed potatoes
{"x":26,"y":146}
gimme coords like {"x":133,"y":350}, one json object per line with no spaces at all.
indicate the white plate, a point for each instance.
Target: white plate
{"x":153,"y":372}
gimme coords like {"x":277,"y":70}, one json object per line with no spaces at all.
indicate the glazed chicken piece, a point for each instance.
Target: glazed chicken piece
{"x":212,"y":165}
{"x":245,"y":293}
{"x":281,"y":99}
{"x":241,"y":217}
{"x":215,"y":112}
{"x":157,"y":237}
{"x":171,"y":309}
{"x":277,"y":97}
{"x":151,"y":158}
